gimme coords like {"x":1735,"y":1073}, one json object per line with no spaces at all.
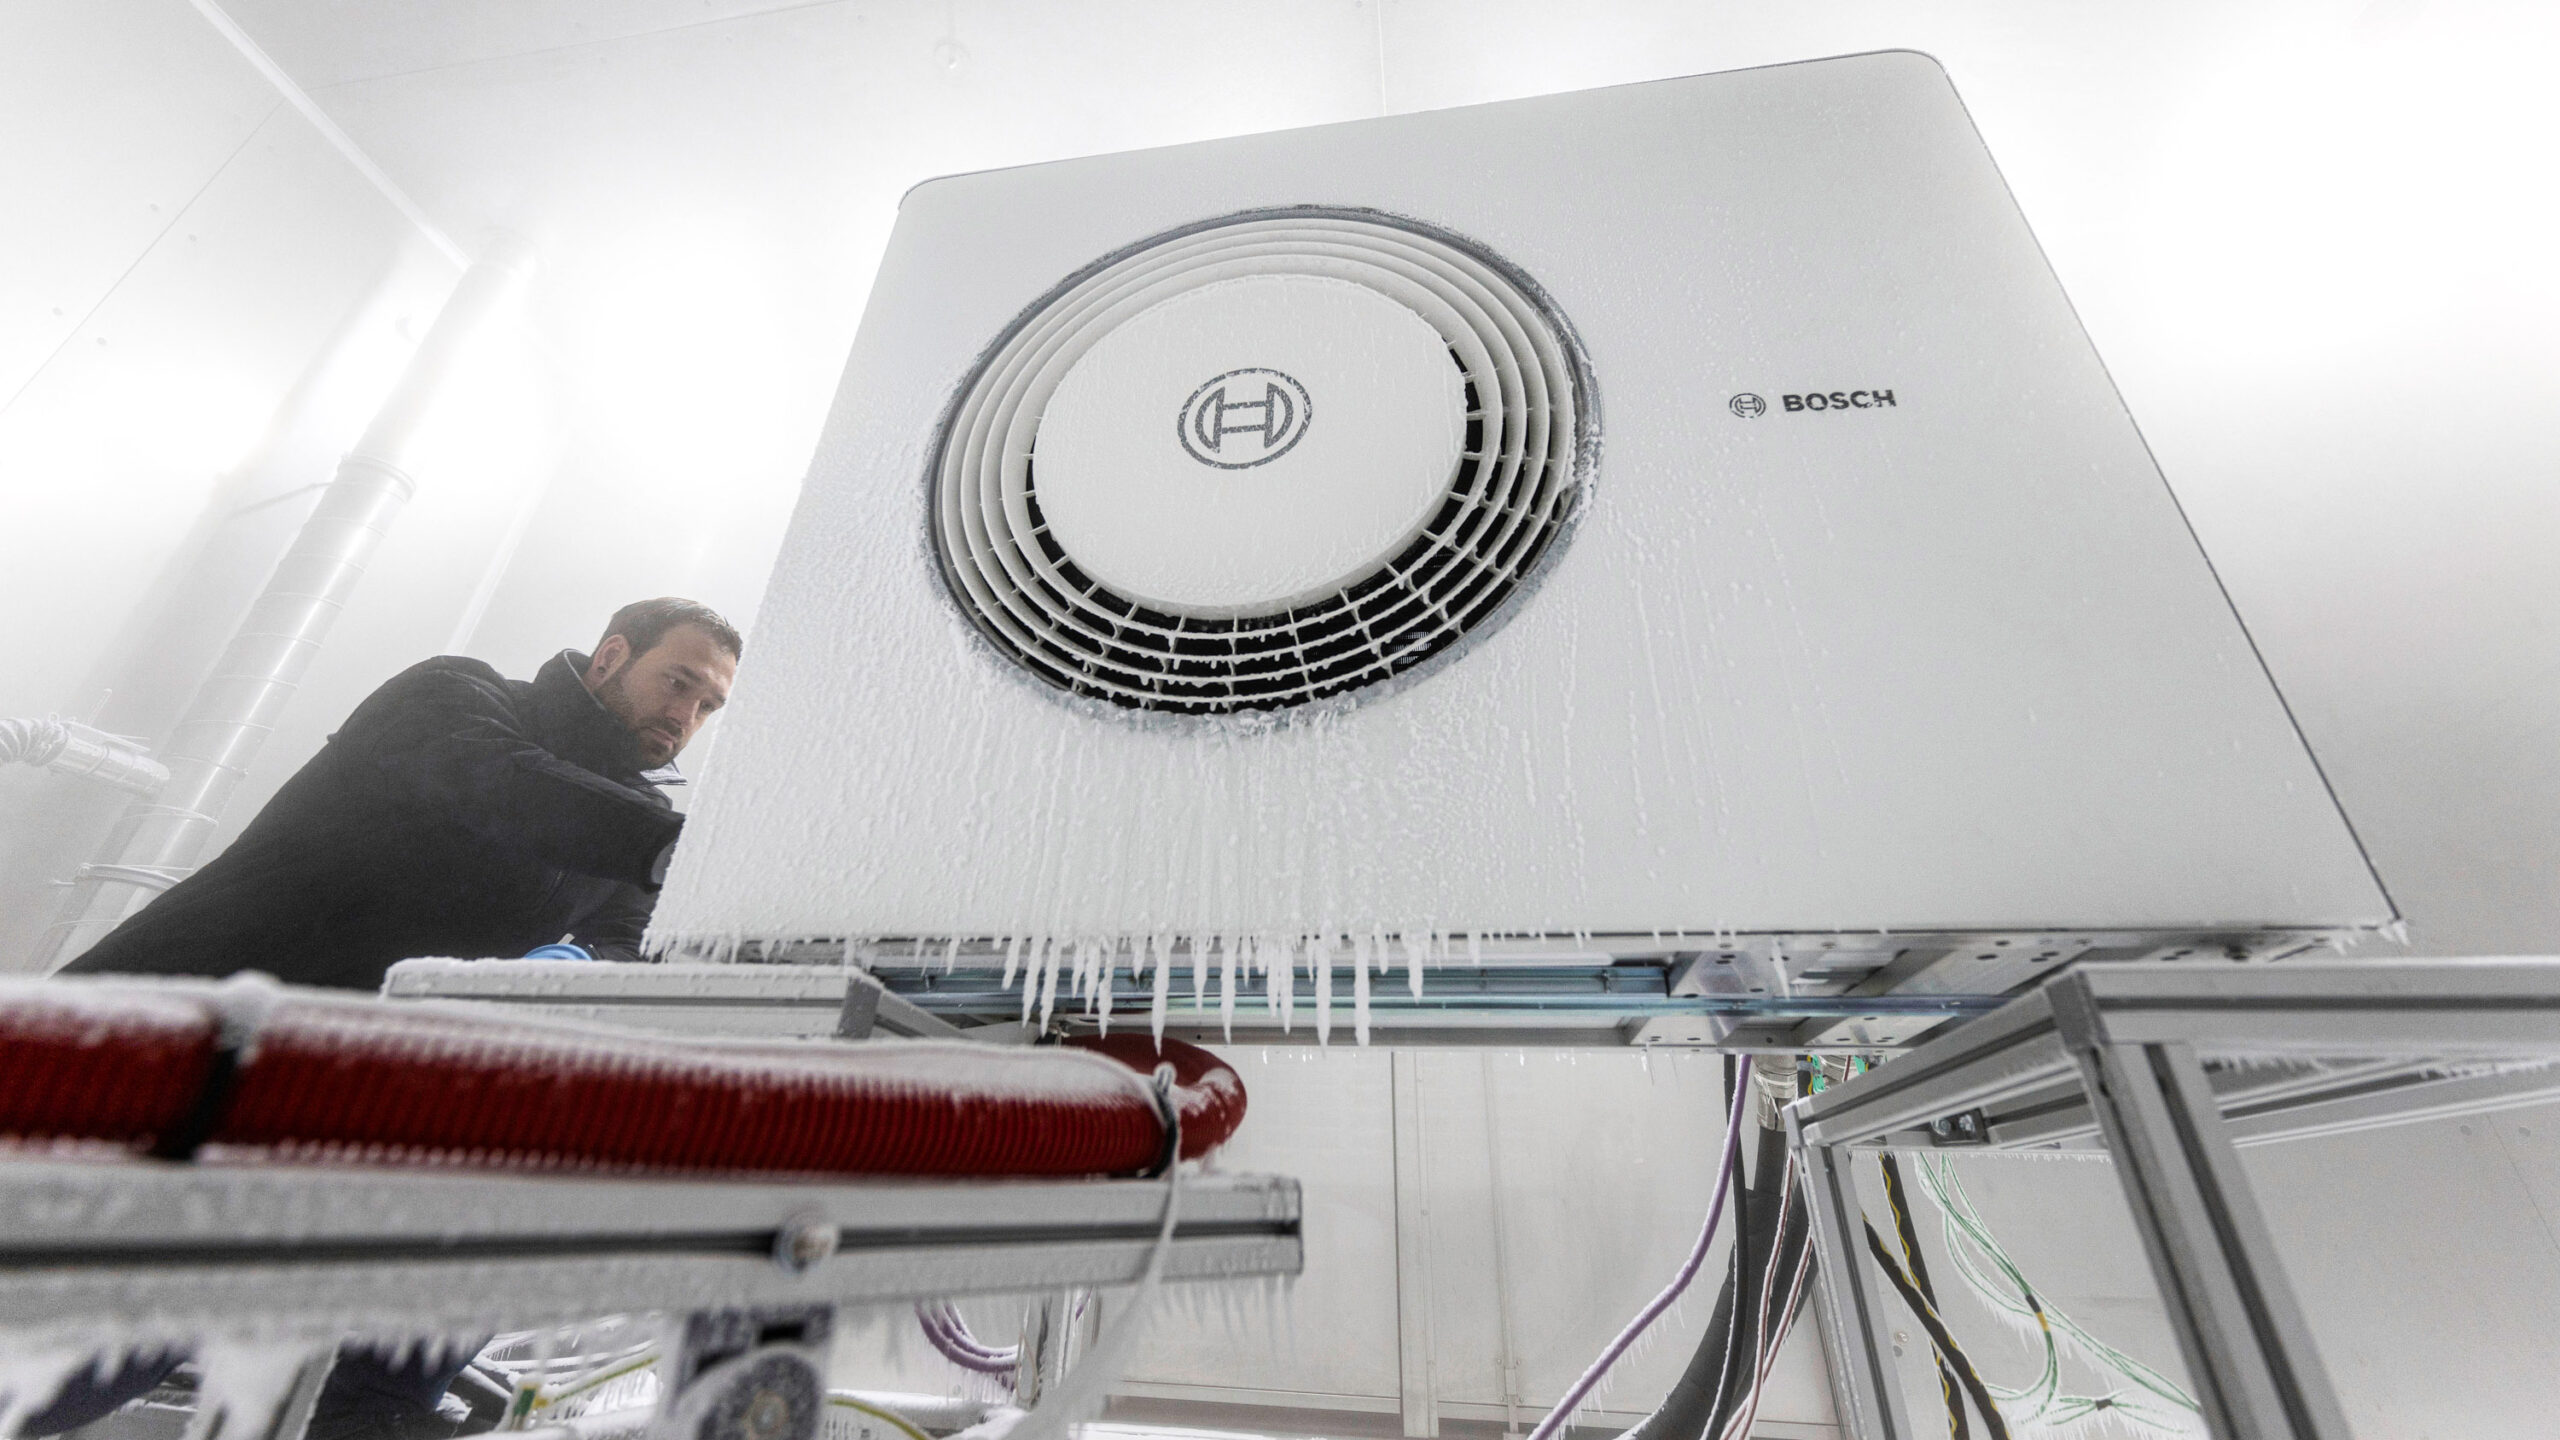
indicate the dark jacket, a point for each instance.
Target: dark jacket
{"x":456,"y":813}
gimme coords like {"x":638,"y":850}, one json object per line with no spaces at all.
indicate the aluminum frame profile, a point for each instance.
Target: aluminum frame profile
{"x":1553,"y":1000}
{"x":319,"y":1252}
{"x":2130,"y":1053}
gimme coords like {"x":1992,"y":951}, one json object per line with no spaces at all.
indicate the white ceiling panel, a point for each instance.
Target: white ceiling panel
{"x":330,"y":44}
{"x":116,"y":112}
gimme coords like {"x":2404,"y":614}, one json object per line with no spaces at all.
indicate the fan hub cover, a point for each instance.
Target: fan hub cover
{"x":1251,"y":445}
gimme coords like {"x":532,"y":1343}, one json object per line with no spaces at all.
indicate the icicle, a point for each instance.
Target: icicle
{"x":1030,"y":977}
{"x":1199,"y":972}
{"x":1110,"y":958}
{"x":1227,"y":987}
{"x":1163,"y":980}
{"x":1012,"y":951}
{"x":30,"y":1378}
{"x":1363,"y":948}
{"x":1273,"y":956}
{"x":1285,"y":980}
{"x":1049,"y":956}
{"x":244,"y":1385}
{"x":950,"y":954}
{"x":1320,"y":969}
{"x":1416,"y":949}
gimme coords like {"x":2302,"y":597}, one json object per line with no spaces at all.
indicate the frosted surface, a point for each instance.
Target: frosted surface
{"x":1952,"y":663}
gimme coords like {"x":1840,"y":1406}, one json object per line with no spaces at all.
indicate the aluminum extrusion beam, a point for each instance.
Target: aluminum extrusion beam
{"x":2125,"y":1049}
{"x":313,"y":1251}
{"x":763,"y":1000}
{"x":1598,"y":1002}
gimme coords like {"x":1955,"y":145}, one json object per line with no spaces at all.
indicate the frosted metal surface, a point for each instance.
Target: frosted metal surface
{"x":1947,"y":661}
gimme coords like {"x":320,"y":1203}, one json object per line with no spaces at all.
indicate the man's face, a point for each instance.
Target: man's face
{"x":666,"y":694}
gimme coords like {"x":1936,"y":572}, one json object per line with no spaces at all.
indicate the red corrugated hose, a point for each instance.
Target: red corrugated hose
{"x":304,"y":1075}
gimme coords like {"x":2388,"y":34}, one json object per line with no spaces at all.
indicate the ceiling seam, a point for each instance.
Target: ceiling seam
{"x":338,"y":139}
{"x":736,"y":18}
{"x":149,"y":248}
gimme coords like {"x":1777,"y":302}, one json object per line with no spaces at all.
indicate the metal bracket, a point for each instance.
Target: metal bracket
{"x":861,"y":1007}
{"x":1965,"y":1127}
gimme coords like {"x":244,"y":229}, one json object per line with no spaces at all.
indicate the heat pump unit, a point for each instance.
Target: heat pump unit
{"x":1657,"y":516}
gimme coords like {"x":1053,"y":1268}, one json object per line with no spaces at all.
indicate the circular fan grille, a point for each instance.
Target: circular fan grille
{"x":1530,"y":437}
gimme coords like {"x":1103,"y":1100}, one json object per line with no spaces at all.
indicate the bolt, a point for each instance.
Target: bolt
{"x":803,"y":1241}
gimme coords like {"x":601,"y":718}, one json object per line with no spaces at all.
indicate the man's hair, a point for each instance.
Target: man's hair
{"x":646,"y":622}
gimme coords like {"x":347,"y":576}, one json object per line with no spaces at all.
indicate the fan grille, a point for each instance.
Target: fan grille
{"x":1531,"y":437}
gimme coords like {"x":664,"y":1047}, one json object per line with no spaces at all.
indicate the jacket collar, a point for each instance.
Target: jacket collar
{"x":579,"y":728}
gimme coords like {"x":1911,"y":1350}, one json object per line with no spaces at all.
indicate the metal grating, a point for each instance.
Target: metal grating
{"x":1531,"y":439}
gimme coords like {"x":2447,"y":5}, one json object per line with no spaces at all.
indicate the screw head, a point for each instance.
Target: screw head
{"x":804,"y":1241}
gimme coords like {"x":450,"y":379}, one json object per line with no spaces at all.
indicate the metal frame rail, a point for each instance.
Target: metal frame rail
{"x":320,"y":1252}
{"x":2147,"y":1057}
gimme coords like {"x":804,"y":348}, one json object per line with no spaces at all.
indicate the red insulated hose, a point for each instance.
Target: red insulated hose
{"x":320,"y":1076}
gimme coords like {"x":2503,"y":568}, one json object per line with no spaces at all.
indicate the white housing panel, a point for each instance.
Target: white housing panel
{"x":1943,"y":657}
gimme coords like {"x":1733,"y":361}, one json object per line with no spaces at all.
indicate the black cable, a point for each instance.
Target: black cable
{"x":1738,"y":1288}
{"x":1938,"y":1336}
{"x":1909,"y":1235}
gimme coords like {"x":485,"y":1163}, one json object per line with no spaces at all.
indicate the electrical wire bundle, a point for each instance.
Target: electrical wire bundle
{"x":950,"y":1335}
{"x":2149,"y":1400}
{"x":1958,"y":1381}
{"x":1768,"y":1267}
{"x":1719,"y":1395}
{"x":2153,"y":1403}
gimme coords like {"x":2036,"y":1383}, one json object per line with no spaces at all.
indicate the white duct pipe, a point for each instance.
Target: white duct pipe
{"x":237,"y":707}
{"x":77,"y":749}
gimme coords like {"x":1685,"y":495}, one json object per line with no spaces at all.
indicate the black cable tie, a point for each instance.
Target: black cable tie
{"x":213,"y":1101}
{"x":238,"y":1008}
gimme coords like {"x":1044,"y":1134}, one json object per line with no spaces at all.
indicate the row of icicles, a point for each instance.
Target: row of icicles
{"x":1236,"y":961}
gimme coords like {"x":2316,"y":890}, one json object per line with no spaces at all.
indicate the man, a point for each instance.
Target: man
{"x":458,"y":813}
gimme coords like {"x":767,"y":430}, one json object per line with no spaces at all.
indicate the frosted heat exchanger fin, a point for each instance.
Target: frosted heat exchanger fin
{"x":1947,"y":662}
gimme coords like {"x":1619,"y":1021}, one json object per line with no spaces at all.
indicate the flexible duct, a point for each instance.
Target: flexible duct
{"x":314,"y":1075}
{"x":237,"y":708}
{"x":76,"y":749}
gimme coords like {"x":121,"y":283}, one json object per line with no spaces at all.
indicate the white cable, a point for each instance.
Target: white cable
{"x":1084,"y":1390}
{"x":1763,"y":1350}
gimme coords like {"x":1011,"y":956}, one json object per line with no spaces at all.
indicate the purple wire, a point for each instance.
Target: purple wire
{"x":946,"y":1322}
{"x":1679,"y":1282}
{"x":950,"y":1335}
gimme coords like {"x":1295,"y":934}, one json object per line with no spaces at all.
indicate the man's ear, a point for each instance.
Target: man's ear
{"x":610,"y":656}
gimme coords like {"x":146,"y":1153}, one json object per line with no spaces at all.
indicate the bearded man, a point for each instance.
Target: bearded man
{"x":459,"y":813}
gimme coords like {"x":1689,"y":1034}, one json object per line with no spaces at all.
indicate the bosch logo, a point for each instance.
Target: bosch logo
{"x":1244,"y":418}
{"x":1840,"y":400}
{"x":1748,"y":406}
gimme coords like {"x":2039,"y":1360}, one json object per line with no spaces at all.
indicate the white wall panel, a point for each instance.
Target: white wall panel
{"x":117,"y":113}
{"x":182,"y":248}
{"x":1322,"y":1116}
{"x":710,"y":201}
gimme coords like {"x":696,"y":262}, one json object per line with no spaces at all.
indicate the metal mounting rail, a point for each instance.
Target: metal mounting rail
{"x":1672,"y":1000}
{"x":321,"y":1251}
